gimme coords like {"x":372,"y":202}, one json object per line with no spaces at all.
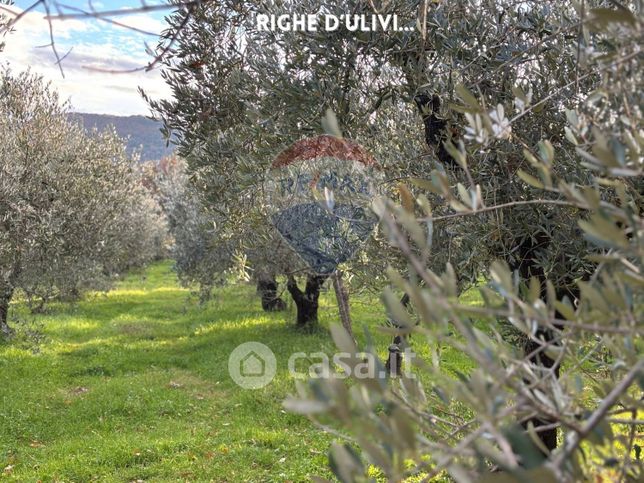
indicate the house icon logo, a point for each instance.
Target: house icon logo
{"x":252,"y":365}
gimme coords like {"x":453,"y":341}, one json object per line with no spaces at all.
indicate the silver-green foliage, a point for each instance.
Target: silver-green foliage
{"x":236,"y":107}
{"x":200,"y":250}
{"x":73,"y":210}
{"x":544,"y":102}
{"x":552,"y":142}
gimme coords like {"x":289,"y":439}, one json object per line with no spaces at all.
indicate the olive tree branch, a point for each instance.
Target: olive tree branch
{"x":104,"y":15}
{"x":598,"y":416}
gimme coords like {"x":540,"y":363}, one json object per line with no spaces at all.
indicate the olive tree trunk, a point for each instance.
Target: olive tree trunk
{"x":267,"y":287}
{"x":306,"y":301}
{"x":342,"y":297}
{"x":5,"y":298}
{"x":394,"y":363}
{"x":527,"y":266}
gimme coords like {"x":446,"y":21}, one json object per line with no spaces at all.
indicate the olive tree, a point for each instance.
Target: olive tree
{"x":540,"y":168}
{"x":201,"y":255}
{"x":73,"y":210}
{"x":229,"y":133}
{"x":470,"y":101}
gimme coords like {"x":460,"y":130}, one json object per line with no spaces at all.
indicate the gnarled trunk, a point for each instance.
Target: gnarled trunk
{"x":7,"y":288}
{"x":547,"y":436}
{"x":5,"y":298}
{"x":528,"y":267}
{"x":306,"y":302}
{"x":267,"y":288}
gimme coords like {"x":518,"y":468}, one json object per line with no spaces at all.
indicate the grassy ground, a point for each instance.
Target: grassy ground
{"x":134,"y":385}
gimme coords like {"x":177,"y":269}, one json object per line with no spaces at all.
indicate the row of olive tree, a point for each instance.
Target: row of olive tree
{"x":73,"y":211}
{"x":509,"y":74}
{"x":201,"y":255}
{"x":236,"y":107}
{"x":204,"y":254}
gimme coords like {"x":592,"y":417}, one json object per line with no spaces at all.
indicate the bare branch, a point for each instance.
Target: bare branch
{"x":113,"y":22}
{"x":53,"y":42}
{"x":104,"y":16}
{"x":17,"y":18}
{"x":113,"y":13}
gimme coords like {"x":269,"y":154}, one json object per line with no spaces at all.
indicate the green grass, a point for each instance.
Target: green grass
{"x":134,"y":385}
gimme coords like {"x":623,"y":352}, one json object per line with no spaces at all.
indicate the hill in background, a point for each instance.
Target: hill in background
{"x":142,"y":134}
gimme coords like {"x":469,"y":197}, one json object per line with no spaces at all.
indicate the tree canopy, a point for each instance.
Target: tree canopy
{"x":73,"y":210}
{"x":510,"y":136}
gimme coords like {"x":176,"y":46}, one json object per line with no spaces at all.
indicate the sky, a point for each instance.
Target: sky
{"x":94,"y":45}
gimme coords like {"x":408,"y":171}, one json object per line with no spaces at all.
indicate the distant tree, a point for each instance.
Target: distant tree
{"x":73,"y":211}
{"x":201,"y":255}
{"x":141,"y":134}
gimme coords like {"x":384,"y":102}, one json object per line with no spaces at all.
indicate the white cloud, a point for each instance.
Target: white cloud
{"x":142,"y":22}
{"x":93,"y":45}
